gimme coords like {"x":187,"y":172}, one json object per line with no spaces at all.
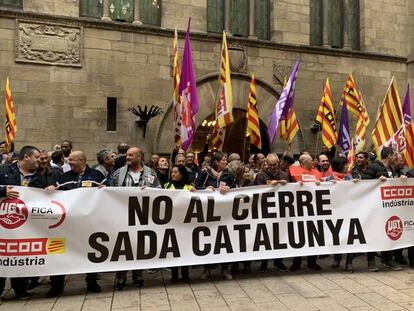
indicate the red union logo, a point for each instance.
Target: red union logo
{"x":32,"y":246}
{"x":397,"y":192}
{"x":394,"y":228}
{"x":13,"y":213}
{"x":23,"y":247}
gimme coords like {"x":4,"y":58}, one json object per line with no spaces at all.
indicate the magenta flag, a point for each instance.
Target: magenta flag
{"x":187,"y":91}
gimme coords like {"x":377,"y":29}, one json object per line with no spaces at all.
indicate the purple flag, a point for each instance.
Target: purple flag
{"x":187,"y":91}
{"x":286,"y":99}
{"x":406,"y":106}
{"x":344,"y":139}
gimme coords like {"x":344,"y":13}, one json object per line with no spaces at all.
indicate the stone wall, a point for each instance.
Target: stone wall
{"x":60,"y":7}
{"x":55,"y":102}
{"x":290,"y":22}
{"x":384,"y":26}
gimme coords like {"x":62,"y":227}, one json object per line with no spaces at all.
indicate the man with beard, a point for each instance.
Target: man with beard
{"x":133,"y":174}
{"x":272,"y":175}
{"x":324,"y":166}
{"x":21,"y":173}
{"x":361,"y":164}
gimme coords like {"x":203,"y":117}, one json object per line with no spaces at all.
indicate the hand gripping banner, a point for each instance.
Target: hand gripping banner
{"x":110,"y":229}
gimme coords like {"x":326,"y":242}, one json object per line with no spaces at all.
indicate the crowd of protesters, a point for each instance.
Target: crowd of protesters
{"x":67,"y":169}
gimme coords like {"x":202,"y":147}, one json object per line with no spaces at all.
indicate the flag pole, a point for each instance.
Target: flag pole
{"x":321,"y":126}
{"x":244,"y":138}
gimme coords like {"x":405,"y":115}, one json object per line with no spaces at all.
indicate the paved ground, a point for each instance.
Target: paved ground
{"x":302,"y":290}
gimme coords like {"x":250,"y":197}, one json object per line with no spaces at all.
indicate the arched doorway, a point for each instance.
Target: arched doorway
{"x":235,"y":133}
{"x":207,"y":87}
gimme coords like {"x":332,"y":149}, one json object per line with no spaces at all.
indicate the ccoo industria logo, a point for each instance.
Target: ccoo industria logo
{"x":397,"y":196}
{"x":13,"y":213}
{"x":394,"y":228}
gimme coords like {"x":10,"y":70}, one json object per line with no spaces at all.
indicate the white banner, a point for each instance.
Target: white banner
{"x":110,"y":229}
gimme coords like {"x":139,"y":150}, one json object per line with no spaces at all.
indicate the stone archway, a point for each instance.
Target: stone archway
{"x":235,"y":140}
{"x":207,"y":89}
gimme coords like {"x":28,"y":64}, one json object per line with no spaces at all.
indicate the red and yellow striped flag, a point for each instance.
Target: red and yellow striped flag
{"x":356,"y":105}
{"x":224,"y":110}
{"x":253,"y":123}
{"x":11,"y":125}
{"x":176,"y":95}
{"x":326,"y":117}
{"x":409,"y":150}
{"x":217,"y":137}
{"x":389,"y":126}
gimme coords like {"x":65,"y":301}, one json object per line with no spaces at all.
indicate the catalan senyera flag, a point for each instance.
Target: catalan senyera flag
{"x":409,"y":151}
{"x":253,"y":123}
{"x":217,"y":137}
{"x":356,"y":106}
{"x":224,"y":110}
{"x":389,"y":126}
{"x":176,"y":95}
{"x":11,"y":125}
{"x":326,"y":117}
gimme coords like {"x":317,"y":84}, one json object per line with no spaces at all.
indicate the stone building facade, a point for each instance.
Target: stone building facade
{"x":67,"y":70}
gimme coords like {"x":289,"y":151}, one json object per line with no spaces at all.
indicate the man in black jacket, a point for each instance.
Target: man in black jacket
{"x":382,"y":170}
{"x":80,"y":176}
{"x":21,"y":173}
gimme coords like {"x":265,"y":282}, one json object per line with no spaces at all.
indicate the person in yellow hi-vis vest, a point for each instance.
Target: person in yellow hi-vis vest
{"x":179,"y":180}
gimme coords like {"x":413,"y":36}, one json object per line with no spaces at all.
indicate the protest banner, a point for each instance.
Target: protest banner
{"x":111,"y":229}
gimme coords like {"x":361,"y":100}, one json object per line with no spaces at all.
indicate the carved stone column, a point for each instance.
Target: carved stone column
{"x":137,"y":12}
{"x":347,"y":46}
{"x":252,"y":20}
{"x":105,"y":16}
{"x":325,"y":23}
{"x":227,"y":16}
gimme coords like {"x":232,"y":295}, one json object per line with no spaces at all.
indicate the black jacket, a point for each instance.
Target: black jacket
{"x":375,"y":170}
{"x":10,"y":176}
{"x":51,"y":176}
{"x":90,"y":178}
{"x":207,"y":178}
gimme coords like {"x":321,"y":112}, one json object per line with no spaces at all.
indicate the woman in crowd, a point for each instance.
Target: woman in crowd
{"x":179,"y":180}
{"x":216,"y":177}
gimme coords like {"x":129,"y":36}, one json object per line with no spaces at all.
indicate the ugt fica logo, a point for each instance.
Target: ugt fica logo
{"x":13,"y":213}
{"x":394,"y":228}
